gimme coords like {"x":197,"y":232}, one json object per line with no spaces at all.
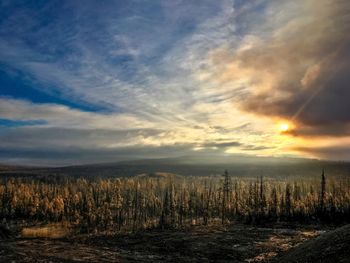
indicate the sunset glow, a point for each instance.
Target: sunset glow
{"x":99,"y":88}
{"x":174,"y":130}
{"x":284,"y":127}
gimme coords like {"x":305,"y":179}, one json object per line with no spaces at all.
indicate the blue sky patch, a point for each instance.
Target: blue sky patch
{"x":20,"y":123}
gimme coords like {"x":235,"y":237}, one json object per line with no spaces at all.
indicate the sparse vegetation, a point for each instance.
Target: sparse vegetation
{"x":168,"y":201}
{"x":46,"y":231}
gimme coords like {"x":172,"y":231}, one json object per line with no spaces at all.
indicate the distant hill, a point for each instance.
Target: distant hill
{"x":5,"y":167}
{"x":189,"y":165}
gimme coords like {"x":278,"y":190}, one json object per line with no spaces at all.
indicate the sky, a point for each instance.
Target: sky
{"x":102,"y":81}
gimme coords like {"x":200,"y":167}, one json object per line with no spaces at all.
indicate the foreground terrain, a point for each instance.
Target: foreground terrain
{"x":237,"y":243}
{"x":330,"y":247}
{"x":167,"y":217}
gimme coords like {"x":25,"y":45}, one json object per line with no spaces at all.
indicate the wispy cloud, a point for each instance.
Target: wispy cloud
{"x":293,"y":62}
{"x":170,"y":73}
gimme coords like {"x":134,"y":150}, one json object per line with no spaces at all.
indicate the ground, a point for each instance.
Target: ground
{"x":236,"y":243}
{"x":331,"y":247}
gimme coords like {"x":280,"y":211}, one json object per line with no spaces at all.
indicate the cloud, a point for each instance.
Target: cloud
{"x":108,"y":56}
{"x":76,"y":155}
{"x":294,"y":64}
{"x":179,"y":74}
{"x":256,"y":148}
{"x":51,"y":134}
{"x":40,"y":137}
{"x":54,"y":115}
{"x":221,"y":144}
{"x":334,"y":152}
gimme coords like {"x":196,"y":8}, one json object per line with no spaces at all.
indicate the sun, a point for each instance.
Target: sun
{"x":284,"y":127}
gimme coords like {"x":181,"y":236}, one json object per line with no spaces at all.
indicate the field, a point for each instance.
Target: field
{"x":162,"y":216}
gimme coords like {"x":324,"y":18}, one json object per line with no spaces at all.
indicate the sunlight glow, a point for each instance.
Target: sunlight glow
{"x":284,"y":127}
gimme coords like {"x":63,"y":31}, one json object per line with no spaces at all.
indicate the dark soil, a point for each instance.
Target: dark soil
{"x":331,"y":247}
{"x":238,"y":243}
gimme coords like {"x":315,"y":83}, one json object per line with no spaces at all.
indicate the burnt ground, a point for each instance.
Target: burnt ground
{"x":237,"y":243}
{"x":331,"y":247}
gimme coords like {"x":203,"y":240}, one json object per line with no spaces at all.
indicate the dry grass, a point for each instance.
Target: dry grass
{"x":46,"y":231}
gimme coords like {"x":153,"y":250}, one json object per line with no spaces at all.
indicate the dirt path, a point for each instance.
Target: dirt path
{"x":236,"y":244}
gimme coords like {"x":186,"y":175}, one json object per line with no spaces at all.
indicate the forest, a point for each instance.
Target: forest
{"x":168,"y":201}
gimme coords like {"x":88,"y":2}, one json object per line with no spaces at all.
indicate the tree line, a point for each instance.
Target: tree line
{"x":174,"y":202}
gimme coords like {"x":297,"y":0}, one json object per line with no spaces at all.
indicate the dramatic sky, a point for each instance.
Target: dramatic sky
{"x":99,"y":81}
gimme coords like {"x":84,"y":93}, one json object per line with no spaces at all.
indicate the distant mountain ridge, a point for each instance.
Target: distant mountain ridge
{"x":190,"y":165}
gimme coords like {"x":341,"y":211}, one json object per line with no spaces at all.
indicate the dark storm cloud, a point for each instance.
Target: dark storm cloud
{"x":64,"y":146}
{"x":335,"y":129}
{"x":331,"y":153}
{"x":322,"y":103}
{"x":296,"y":65}
{"x":77,"y":155}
